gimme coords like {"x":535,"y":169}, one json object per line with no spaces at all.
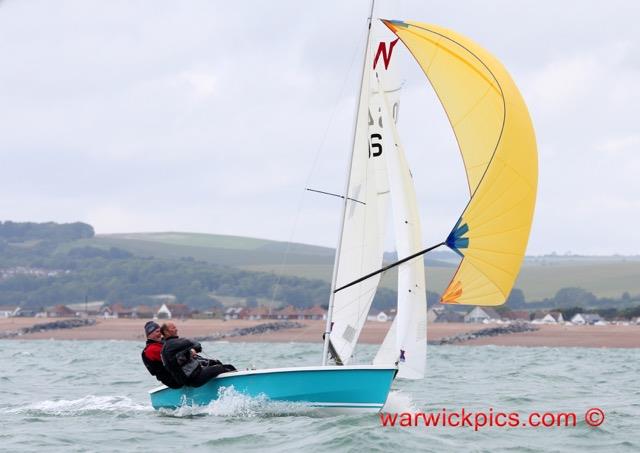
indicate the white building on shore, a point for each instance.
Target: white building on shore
{"x":586,"y":318}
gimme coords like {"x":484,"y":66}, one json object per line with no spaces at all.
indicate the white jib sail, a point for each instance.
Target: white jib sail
{"x":405,"y":342}
{"x":362,"y":246}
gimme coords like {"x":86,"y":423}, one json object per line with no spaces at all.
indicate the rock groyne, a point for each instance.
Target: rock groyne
{"x":46,"y":326}
{"x":255,"y":330}
{"x":489,"y":332}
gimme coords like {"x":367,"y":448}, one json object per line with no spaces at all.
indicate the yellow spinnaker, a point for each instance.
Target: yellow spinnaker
{"x":496,"y":139}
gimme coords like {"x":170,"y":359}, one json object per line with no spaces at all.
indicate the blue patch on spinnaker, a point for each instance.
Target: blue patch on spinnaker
{"x":398,"y":23}
{"x":455,"y":241}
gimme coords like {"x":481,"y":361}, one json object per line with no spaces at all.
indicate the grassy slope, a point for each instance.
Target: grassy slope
{"x":602,"y":278}
{"x":218,"y":249}
{"x":539,"y":278}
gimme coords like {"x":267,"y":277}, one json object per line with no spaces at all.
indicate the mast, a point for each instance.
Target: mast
{"x":327,"y":330}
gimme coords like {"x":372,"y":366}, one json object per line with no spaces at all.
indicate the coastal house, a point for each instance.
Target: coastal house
{"x":380,"y":317}
{"x":86,"y":309}
{"x":554,"y":317}
{"x":60,"y":311}
{"x":172,"y":311}
{"x":163,"y":312}
{"x":516,"y":315}
{"x":449,"y":316}
{"x":212,"y":312}
{"x":233,"y":313}
{"x":481,"y":314}
{"x":257,"y":313}
{"x":181,"y":311}
{"x":314,"y":313}
{"x":106,"y":312}
{"x":143,"y":312}
{"x":120,"y":311}
{"x":9,"y":311}
{"x":289,"y":312}
{"x":586,"y":318}
{"x":30,"y":313}
{"x":432,"y":314}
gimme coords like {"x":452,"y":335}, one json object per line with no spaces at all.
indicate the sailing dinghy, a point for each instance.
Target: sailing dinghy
{"x":496,"y":140}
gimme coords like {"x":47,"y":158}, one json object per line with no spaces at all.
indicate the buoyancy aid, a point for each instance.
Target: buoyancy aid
{"x":156,"y":368}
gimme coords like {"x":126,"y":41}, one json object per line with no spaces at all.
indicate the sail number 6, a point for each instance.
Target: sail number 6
{"x":377,"y":145}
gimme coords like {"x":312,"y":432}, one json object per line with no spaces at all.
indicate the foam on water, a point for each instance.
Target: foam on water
{"x":398,"y":401}
{"x":88,"y":405}
{"x":231,"y":403}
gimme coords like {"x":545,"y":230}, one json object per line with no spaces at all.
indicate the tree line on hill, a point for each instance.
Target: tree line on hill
{"x":606,"y":313}
{"x":570,"y":301}
{"x":84,"y":272}
{"x":50,"y":231}
{"x":115,"y":275}
{"x":572,"y":297}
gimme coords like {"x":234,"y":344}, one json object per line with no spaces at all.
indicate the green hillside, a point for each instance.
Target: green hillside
{"x":216,"y":249}
{"x":42,"y":264}
{"x":540,"y":278}
{"x":604,"y":278}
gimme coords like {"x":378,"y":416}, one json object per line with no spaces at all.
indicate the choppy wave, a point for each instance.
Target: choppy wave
{"x":230,"y":403}
{"x":88,"y":405}
{"x":92,"y":396}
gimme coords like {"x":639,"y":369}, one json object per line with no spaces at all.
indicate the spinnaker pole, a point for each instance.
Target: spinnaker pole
{"x":389,"y":266}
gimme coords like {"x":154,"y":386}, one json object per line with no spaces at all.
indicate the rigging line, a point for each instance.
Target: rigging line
{"x":335,"y":195}
{"x":390,"y":266}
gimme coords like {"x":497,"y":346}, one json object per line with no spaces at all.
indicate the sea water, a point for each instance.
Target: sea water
{"x":92,"y":396}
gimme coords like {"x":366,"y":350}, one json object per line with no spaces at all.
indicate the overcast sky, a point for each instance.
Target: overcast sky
{"x":214,"y":116}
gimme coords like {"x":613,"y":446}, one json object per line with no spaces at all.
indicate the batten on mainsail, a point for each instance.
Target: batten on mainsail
{"x":496,"y":139}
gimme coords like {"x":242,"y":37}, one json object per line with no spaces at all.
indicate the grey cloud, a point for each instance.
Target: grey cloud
{"x":208,"y":116}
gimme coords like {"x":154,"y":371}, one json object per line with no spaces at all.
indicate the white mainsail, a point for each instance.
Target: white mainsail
{"x":405,"y":342}
{"x":363,"y":230}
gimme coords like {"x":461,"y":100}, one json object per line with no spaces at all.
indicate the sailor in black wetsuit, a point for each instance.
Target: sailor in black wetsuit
{"x":151,"y":356}
{"x":180,"y":357}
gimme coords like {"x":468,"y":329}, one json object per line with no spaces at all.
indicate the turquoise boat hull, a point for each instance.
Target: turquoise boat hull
{"x":360,"y":388}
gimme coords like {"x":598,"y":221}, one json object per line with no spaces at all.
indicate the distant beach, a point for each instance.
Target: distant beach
{"x":610,"y":336}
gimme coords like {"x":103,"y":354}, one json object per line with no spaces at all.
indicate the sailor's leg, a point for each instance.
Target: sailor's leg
{"x":206,"y":374}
